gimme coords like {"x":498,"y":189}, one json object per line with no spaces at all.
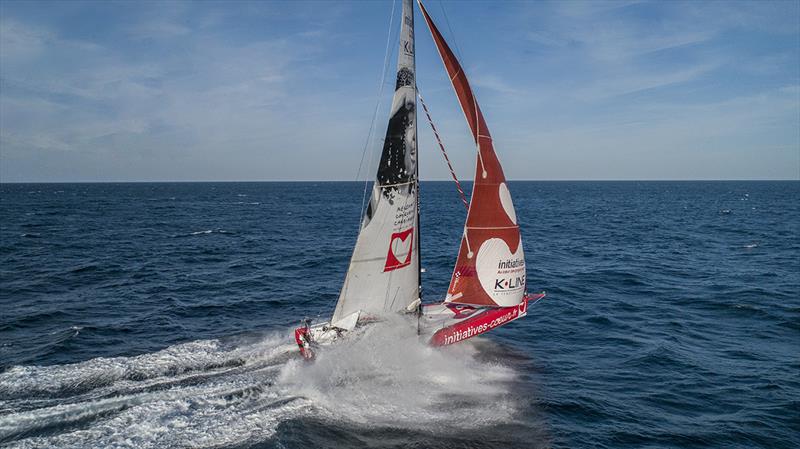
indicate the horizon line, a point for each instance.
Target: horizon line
{"x":360,"y":181}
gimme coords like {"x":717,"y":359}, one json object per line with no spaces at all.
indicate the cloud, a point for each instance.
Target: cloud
{"x":495,"y":83}
{"x":285,"y":91}
{"x":637,"y":81}
{"x":641,"y":90}
{"x":215,"y":100}
{"x":20,"y":42}
{"x":752,"y":136}
{"x":159,"y":29}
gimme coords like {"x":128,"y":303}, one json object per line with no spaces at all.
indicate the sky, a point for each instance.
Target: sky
{"x":249,"y":91}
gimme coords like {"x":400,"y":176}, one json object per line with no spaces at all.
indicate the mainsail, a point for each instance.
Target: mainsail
{"x":383,"y":275}
{"x":490,"y":269}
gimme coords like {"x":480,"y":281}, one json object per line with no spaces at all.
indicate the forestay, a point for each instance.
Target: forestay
{"x":383,"y":275}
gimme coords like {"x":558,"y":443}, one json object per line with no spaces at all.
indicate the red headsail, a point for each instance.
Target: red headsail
{"x":490,"y":269}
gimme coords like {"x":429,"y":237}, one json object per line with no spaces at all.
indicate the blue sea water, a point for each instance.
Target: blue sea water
{"x":155,"y":315}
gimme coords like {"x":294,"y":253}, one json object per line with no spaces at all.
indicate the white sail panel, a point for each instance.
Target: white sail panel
{"x":383,"y":275}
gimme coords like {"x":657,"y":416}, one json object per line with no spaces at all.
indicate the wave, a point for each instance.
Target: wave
{"x":148,"y":398}
{"x":203,"y":232}
{"x":83,"y":268}
{"x":212,"y":393}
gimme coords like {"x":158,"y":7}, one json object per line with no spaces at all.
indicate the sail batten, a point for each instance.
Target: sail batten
{"x":490,"y":268}
{"x":386,"y":255}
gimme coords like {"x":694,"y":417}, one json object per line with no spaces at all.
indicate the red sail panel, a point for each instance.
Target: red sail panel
{"x":490,"y":269}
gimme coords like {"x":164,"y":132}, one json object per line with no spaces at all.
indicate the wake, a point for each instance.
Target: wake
{"x":212,"y":393}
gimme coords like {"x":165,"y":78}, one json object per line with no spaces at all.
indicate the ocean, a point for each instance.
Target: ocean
{"x":155,"y":315}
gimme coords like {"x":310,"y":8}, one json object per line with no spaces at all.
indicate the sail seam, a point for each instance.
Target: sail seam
{"x":373,"y":259}
{"x":466,"y":240}
{"x":477,"y":130}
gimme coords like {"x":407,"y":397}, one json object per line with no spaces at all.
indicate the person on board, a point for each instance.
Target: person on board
{"x":303,"y":339}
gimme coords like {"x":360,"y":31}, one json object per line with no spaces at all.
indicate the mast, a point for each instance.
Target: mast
{"x":419,"y":229}
{"x":383,"y":275}
{"x":490,"y":268}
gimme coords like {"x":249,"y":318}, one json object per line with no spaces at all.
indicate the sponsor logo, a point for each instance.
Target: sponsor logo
{"x":510,"y":263}
{"x":501,"y":272}
{"x":509,"y":283}
{"x":401,"y":247}
{"x":478,"y":328}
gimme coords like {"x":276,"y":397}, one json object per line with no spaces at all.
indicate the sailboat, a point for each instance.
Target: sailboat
{"x":488,"y":286}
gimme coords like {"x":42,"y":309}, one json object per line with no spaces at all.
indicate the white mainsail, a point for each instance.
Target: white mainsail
{"x":383,"y":275}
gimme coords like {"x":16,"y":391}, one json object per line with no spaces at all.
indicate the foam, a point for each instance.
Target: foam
{"x":387,"y":377}
{"x":202,"y":393}
{"x":197,"y":416}
{"x":213,"y":393}
{"x":204,"y":232}
{"x":24,"y":381}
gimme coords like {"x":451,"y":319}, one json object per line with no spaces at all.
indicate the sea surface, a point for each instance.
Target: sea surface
{"x":157,"y":315}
